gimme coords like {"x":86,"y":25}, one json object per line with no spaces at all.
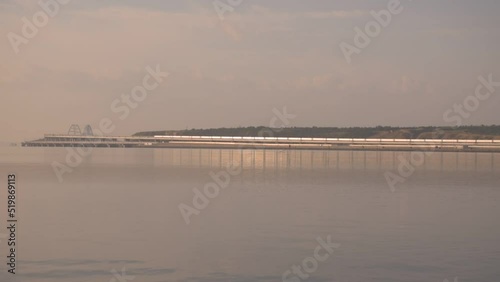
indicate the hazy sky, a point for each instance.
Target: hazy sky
{"x":233,"y":72}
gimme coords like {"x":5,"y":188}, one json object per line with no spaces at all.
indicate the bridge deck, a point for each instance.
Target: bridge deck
{"x":52,"y":140}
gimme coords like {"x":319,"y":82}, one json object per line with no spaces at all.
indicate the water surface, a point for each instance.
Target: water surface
{"x":120,"y":209}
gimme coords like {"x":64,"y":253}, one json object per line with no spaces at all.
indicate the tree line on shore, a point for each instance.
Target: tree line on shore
{"x":424,"y":132}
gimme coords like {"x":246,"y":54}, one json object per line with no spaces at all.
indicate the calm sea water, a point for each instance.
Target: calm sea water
{"x":118,"y":214}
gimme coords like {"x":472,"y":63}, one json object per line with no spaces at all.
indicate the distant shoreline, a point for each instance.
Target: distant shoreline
{"x":490,"y":132}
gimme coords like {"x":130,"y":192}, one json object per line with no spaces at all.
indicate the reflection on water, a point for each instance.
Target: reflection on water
{"x":119,"y":208}
{"x":264,"y":159}
{"x":304,"y":159}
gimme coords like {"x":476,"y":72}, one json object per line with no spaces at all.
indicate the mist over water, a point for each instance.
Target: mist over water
{"x":215,"y":200}
{"x":120,"y":208}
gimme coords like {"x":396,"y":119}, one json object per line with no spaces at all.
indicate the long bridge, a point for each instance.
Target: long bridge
{"x":282,"y":143}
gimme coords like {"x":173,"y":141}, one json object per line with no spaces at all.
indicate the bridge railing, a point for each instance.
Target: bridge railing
{"x":313,"y":140}
{"x":325,"y":140}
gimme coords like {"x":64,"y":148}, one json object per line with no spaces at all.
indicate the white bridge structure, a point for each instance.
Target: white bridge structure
{"x":237,"y":142}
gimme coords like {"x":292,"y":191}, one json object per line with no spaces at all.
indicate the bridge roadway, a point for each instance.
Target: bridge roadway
{"x":230,"y":142}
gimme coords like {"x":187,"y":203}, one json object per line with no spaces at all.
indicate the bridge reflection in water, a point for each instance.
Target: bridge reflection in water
{"x":268,"y":160}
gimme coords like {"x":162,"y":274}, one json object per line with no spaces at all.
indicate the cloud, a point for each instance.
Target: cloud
{"x":269,"y":54}
{"x":449,"y":32}
{"x":231,"y":30}
{"x":106,"y":42}
{"x":408,"y":85}
{"x":24,"y":4}
{"x":337,"y":14}
{"x":319,"y":81}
